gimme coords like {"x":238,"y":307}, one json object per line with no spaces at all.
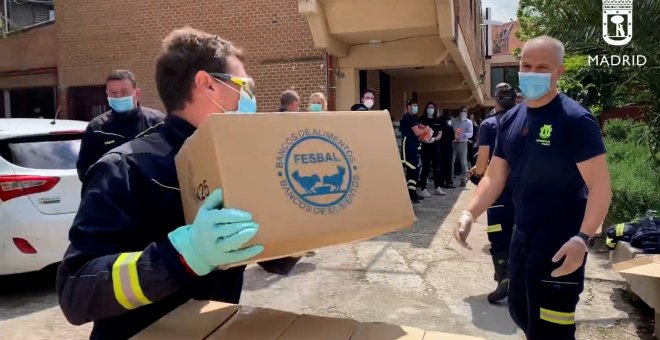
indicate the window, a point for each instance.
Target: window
{"x":34,"y":102}
{"x":507,"y":74}
{"x":23,"y":14}
{"x":50,"y":152}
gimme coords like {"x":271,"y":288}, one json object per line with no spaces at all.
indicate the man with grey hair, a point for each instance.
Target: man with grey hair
{"x":289,"y":101}
{"x":550,"y":151}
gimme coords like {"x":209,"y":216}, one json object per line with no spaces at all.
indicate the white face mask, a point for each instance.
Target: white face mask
{"x":463,"y":115}
{"x":369,"y":103}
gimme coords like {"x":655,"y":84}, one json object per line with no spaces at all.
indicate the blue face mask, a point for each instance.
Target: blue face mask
{"x":430,"y":112}
{"x":316,"y":108}
{"x":246,"y":104}
{"x":534,"y":85}
{"x":121,"y":105}
{"x":415,"y":109}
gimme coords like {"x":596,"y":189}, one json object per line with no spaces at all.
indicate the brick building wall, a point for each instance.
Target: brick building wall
{"x":373,"y":83}
{"x":276,"y":38}
{"x":34,"y":49}
{"x":470,"y":18}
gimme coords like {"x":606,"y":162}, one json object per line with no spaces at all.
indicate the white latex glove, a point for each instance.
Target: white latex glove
{"x":463,"y":228}
{"x":573,"y":252}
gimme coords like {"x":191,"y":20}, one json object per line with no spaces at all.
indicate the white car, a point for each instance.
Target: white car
{"x":39,"y":191}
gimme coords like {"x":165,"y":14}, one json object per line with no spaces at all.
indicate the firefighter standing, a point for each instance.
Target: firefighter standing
{"x":410,"y":146}
{"x":551,"y":150}
{"x":126,"y":121}
{"x":132,"y":259}
{"x":500,"y":214}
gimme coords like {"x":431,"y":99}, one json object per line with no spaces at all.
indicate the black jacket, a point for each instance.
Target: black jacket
{"x":447,"y":139}
{"x":435,"y":123}
{"x":359,"y":107}
{"x":121,"y":271}
{"x":111,"y":130}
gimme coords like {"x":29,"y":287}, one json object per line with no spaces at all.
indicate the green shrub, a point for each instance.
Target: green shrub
{"x":635,"y":183}
{"x":626,"y":130}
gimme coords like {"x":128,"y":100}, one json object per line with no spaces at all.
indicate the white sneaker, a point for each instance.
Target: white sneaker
{"x":425,"y":193}
{"x":439,"y":191}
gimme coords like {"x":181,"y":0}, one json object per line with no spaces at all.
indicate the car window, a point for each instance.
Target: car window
{"x":43,"y":153}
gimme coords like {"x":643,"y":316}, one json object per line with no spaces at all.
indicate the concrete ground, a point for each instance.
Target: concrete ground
{"x":418,"y":277}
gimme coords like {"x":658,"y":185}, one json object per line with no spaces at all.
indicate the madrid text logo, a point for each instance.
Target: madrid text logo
{"x":617,"y":31}
{"x":617,"y":21}
{"x":318,"y":171}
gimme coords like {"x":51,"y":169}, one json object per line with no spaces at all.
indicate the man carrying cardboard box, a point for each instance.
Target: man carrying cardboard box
{"x":132,"y":259}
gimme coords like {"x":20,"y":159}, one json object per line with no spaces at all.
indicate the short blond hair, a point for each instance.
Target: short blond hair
{"x":319,"y":95}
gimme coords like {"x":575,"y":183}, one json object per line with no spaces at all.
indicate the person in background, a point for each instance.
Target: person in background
{"x":463,"y":130}
{"x":473,"y":145}
{"x":317,"y":102}
{"x":431,"y":151}
{"x":125,"y":121}
{"x":289,"y":101}
{"x":446,"y":145}
{"x":132,"y":257}
{"x":410,"y":132}
{"x":550,"y":151}
{"x":501,"y":214}
{"x":366,"y":101}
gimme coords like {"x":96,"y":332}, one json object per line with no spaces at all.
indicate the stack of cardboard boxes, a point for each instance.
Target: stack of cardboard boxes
{"x":642,"y":273}
{"x":217,"y":321}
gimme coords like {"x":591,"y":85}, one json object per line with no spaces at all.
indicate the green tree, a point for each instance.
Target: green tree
{"x":578,"y":24}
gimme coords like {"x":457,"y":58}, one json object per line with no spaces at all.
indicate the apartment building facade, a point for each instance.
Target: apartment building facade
{"x":424,"y":49}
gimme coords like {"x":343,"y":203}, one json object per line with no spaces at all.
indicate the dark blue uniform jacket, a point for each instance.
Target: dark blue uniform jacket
{"x":121,"y":271}
{"x":111,"y":130}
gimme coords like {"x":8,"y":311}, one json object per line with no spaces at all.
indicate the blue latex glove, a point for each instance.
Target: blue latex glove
{"x":216,"y":236}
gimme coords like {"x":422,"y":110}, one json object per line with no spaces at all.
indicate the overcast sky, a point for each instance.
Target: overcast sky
{"x":502,"y":10}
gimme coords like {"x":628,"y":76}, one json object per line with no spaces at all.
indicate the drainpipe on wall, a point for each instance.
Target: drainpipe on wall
{"x":5,"y":20}
{"x":7,"y":98}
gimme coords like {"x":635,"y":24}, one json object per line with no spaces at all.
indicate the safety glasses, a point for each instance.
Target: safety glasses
{"x":245,"y":83}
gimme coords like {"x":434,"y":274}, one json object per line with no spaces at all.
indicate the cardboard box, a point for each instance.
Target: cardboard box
{"x":192,"y":322}
{"x":309,"y":180}
{"x":643,"y":275}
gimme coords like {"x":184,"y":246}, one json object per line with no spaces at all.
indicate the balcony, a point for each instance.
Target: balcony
{"x":421,"y":44}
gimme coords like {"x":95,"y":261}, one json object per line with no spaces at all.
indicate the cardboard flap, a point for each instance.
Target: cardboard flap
{"x":255,"y":324}
{"x":193,"y":320}
{"x":382,"y":331}
{"x":648,"y":266}
{"x":317,"y":327}
{"x":448,"y":336}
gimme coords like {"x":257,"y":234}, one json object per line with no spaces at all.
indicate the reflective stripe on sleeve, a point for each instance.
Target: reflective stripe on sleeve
{"x":619,"y":229}
{"x":609,"y":242}
{"x":125,"y":282}
{"x":560,"y":318}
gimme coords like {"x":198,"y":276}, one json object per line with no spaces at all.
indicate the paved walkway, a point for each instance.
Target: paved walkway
{"x":419,"y":277}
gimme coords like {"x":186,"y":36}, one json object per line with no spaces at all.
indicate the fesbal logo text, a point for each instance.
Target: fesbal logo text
{"x":318,"y":171}
{"x":617,"y":31}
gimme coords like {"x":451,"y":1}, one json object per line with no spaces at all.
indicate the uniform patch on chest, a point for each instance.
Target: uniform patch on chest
{"x":544,"y":135}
